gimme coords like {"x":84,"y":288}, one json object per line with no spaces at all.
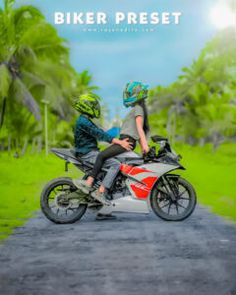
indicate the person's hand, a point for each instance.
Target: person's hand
{"x":126,"y":144}
{"x":145,"y":149}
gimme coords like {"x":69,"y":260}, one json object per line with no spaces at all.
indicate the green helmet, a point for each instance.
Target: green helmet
{"x":133,"y":92}
{"x":88,"y":104}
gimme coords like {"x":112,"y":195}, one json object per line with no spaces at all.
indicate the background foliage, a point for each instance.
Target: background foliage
{"x":35,"y":67}
{"x":200,"y":106}
{"x":197,"y":113}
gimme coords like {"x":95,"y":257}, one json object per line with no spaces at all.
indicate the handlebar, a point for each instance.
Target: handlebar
{"x":165,"y":149}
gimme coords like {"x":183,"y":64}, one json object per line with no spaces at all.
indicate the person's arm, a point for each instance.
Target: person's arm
{"x":124,"y":143}
{"x":143,"y":140}
{"x":90,"y":128}
{"x":87,"y":126}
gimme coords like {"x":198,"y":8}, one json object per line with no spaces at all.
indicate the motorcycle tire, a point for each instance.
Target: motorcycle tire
{"x":158,"y":197}
{"x":47,"y":210}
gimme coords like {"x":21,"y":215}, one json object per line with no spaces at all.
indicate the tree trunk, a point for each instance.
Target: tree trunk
{"x":171,"y":124}
{"x":24,"y":147}
{"x":2,"y":145}
{"x":33,"y":146}
{"x":191,"y":140}
{"x":39,"y":147}
{"x":3,"y":110}
{"x":16,"y":144}
{"x":217,"y":139}
{"x":16,"y":154}
{"x":202,"y":142}
{"x":9,"y":144}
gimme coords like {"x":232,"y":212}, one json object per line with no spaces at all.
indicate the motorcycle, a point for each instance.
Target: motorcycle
{"x":144,"y":184}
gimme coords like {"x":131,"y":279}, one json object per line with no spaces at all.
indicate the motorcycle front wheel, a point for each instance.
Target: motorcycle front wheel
{"x":173,"y":198}
{"x":57,"y":202}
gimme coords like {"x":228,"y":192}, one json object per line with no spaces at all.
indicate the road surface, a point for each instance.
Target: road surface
{"x":136,"y":254}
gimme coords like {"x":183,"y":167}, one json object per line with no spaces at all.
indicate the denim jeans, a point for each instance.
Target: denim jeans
{"x":112,"y":164}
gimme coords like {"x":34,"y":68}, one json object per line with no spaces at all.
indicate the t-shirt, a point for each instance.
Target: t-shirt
{"x":129,"y":125}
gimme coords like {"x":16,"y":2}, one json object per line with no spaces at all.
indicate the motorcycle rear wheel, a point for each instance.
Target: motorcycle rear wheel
{"x":163,"y":205}
{"x":55,"y":205}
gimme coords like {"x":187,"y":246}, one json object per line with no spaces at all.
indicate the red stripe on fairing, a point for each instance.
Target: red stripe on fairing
{"x":137,"y":170}
{"x":125,"y":168}
{"x":149,"y":181}
{"x":131,"y":170}
{"x":139,"y":192}
{"x":142,"y":191}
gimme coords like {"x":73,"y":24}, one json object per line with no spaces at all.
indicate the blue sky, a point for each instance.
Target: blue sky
{"x":116,"y":58}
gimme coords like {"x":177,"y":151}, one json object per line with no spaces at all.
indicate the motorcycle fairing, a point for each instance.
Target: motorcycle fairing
{"x":141,"y":179}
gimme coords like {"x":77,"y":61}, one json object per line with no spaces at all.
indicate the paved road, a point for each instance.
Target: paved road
{"x":136,"y":254}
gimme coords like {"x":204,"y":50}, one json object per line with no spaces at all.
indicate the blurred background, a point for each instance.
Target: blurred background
{"x":190,"y":68}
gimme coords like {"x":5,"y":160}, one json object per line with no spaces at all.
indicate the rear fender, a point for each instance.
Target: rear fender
{"x":67,"y":158}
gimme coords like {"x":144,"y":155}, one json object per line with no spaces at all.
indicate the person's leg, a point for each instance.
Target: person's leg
{"x":109,"y":152}
{"x":86,"y":185}
{"x":114,"y":168}
{"x":100,"y":159}
{"x":107,"y":160}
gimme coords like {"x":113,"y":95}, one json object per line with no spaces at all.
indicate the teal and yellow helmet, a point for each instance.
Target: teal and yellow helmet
{"x":88,"y":104}
{"x":134,"y":92}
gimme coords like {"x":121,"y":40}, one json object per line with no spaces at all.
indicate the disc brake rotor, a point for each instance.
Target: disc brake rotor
{"x":62,"y":201}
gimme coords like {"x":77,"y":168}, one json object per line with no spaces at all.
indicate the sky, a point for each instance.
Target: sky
{"x":113,"y":59}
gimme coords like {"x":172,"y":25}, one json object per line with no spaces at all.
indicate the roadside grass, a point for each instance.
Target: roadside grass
{"x":213,"y":174}
{"x":21,"y":182}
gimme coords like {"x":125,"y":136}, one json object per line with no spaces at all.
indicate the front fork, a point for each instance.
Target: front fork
{"x":170,"y":185}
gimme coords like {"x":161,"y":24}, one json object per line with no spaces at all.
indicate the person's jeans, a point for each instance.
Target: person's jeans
{"x":111,"y":163}
{"x":110,"y":152}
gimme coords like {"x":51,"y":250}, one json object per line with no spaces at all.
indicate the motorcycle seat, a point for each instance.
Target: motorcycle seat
{"x":130,"y":158}
{"x":65,"y":153}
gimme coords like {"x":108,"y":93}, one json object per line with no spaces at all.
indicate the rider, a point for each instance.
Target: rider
{"x":135,"y":128}
{"x":87,"y":133}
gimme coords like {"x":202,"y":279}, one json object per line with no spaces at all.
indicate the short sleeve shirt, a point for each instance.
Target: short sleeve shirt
{"x":129,"y":124}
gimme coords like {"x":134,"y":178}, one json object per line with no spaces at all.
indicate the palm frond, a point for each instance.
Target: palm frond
{"x":27,"y":12}
{"x":5,"y":80}
{"x":25,"y":18}
{"x":32,"y":80}
{"x":50,"y":45}
{"x":23,"y":95}
{"x":8,"y":4}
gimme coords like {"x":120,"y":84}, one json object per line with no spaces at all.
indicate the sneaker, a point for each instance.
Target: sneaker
{"x":100,"y":197}
{"x":82,"y":185}
{"x":101,"y":216}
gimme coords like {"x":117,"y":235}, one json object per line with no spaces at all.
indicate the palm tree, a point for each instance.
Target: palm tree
{"x":200,"y":102}
{"x":83,"y":82}
{"x":34,"y":61}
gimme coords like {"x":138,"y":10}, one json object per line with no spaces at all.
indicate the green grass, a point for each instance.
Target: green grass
{"x":213,"y":175}
{"x":21,"y":181}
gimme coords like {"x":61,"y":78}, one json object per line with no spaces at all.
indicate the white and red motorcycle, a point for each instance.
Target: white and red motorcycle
{"x":144,"y":184}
